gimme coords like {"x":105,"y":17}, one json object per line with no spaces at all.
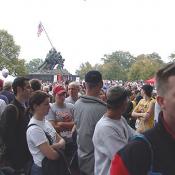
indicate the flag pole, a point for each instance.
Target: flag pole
{"x":47,"y":36}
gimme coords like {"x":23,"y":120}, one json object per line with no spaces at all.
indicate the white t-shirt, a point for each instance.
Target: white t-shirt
{"x":36,"y":136}
{"x":109,"y":137}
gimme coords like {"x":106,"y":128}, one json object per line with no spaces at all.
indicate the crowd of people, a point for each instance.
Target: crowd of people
{"x":97,"y":127}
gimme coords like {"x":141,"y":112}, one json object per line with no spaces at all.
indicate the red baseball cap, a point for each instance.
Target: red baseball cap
{"x":59,"y":90}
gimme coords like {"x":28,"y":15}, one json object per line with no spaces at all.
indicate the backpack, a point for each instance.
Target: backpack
{"x":54,"y":167}
{"x":7,"y":171}
{"x":143,"y":138}
{"x":2,"y":132}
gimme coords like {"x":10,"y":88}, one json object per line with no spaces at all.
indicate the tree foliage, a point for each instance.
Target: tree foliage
{"x":32,"y":65}
{"x":84,"y":68}
{"x":123,"y":66}
{"x":117,"y":65}
{"x":9,"y":53}
{"x":172,"y":57}
{"x":145,"y":66}
{"x":8,"y":48}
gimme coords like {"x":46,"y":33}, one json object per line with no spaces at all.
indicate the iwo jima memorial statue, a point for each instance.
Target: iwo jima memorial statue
{"x":52,"y":69}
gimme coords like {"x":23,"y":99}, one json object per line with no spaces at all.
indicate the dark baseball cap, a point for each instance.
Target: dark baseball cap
{"x":93,"y":77}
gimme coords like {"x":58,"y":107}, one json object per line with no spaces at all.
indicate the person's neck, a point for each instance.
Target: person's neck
{"x":147,"y":98}
{"x":92,"y":93}
{"x":20,"y":99}
{"x":39,"y":117}
{"x":115,"y":115}
{"x":170,"y":123}
{"x":60,"y":104}
{"x":75,"y":98}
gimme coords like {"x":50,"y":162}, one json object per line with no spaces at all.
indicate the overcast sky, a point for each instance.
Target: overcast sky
{"x":85,"y":30}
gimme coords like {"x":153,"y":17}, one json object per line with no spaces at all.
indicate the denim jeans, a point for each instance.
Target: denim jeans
{"x":36,"y":170}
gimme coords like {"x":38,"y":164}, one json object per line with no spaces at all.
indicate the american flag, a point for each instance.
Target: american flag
{"x":40,"y":29}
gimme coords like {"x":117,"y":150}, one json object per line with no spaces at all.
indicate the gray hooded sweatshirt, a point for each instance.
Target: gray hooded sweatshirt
{"x":88,"y":111}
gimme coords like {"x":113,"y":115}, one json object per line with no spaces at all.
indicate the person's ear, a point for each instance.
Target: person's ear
{"x":34,"y":107}
{"x":160,"y":101}
{"x":19,"y":89}
{"x":101,"y":84}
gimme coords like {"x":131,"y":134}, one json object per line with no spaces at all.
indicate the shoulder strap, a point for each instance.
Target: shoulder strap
{"x":33,"y":124}
{"x":143,"y":138}
{"x":47,"y":135}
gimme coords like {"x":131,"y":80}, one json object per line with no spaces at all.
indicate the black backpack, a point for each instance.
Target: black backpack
{"x":143,"y":138}
{"x":7,"y":171}
{"x":54,"y":167}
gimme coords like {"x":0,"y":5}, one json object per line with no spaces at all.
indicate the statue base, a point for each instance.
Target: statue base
{"x":52,"y":76}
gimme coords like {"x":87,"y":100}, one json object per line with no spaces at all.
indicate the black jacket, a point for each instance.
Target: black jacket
{"x":136,"y":156}
{"x":15,"y":121}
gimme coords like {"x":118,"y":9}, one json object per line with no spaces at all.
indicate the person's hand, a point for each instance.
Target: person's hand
{"x":141,"y":111}
{"x":59,"y":127}
{"x":146,"y":116}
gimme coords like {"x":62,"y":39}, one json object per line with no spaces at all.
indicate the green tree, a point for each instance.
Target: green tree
{"x":84,"y":68}
{"x":117,"y":65}
{"x":145,"y":66}
{"x":17,"y":67}
{"x":112,"y":71}
{"x":97,"y":67}
{"x":9,"y":53}
{"x":32,"y":65}
{"x":172,"y":57}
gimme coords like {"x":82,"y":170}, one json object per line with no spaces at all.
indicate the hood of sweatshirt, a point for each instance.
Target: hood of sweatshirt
{"x":91,"y":99}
